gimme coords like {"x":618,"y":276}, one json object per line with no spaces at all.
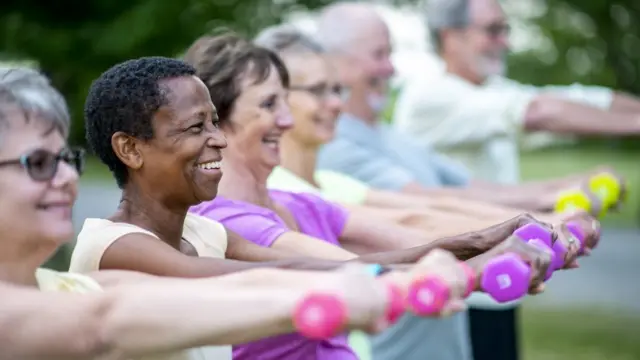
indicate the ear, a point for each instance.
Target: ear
{"x":127,"y":149}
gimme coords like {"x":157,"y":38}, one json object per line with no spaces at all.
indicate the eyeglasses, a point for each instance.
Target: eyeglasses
{"x":42,"y":165}
{"x":495,"y":30}
{"x":322,"y":91}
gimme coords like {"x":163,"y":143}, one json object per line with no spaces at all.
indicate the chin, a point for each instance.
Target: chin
{"x":59,"y":234}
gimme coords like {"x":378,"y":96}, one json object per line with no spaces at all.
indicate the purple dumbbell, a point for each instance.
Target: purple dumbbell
{"x":576,"y":231}
{"x":507,"y":277}
{"x":540,"y":237}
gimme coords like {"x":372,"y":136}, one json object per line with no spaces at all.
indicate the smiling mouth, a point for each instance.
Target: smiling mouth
{"x":272,"y":141}
{"x":212,"y":165}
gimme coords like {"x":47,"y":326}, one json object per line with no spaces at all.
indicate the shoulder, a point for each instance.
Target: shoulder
{"x":203,"y":224}
{"x":95,"y":237}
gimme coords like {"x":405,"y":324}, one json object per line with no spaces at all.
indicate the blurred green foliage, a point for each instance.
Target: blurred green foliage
{"x":584,"y":41}
{"x":587,"y":41}
{"x":74,"y":41}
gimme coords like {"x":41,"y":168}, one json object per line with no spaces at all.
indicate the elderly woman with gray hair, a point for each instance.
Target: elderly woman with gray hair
{"x":122,"y":314}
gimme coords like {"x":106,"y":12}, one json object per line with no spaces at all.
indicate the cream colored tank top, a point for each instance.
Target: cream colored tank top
{"x":208,"y":237}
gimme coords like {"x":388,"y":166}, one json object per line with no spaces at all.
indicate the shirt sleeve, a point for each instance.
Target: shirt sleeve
{"x":336,"y":214}
{"x":449,"y":113}
{"x":253,"y":226}
{"x":374,"y":169}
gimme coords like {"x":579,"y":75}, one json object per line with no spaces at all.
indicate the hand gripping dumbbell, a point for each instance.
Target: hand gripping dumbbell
{"x":506,"y":277}
{"x":606,"y":188}
{"x":429,"y":295}
{"x":322,"y":315}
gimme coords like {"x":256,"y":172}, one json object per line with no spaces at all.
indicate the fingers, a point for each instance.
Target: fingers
{"x":569,"y":242}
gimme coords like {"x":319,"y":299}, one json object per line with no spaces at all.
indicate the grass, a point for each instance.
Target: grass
{"x":585,"y":334}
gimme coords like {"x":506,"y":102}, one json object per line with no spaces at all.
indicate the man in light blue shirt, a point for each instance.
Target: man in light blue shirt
{"x":359,"y":41}
{"x":387,"y":159}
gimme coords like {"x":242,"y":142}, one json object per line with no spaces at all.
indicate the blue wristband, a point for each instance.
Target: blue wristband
{"x":375,"y":269}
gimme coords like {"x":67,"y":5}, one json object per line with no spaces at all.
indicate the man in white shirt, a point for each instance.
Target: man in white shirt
{"x":471,"y":112}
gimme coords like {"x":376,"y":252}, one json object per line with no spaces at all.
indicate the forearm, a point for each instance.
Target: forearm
{"x":489,"y":202}
{"x":229,"y":310}
{"x":625,"y":103}
{"x":464,"y":246}
{"x":552,"y":114}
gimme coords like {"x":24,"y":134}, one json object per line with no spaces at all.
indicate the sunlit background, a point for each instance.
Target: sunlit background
{"x":593,"y":313}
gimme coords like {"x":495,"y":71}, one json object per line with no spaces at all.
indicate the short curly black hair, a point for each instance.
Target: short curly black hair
{"x":125,"y":98}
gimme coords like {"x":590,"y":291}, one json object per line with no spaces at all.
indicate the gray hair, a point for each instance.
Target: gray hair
{"x":34,"y":95}
{"x":446,"y":14}
{"x":287,"y":38}
{"x":339,"y":24}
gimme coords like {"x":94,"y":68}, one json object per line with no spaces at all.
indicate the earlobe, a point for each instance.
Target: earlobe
{"x":127,"y":149}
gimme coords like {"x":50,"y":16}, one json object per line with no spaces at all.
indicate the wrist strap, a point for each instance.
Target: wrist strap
{"x":375,"y":269}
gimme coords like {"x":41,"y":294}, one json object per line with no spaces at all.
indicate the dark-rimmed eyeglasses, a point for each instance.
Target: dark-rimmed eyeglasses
{"x":42,"y":165}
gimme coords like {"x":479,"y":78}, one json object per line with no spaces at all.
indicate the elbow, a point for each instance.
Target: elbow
{"x":541,"y":112}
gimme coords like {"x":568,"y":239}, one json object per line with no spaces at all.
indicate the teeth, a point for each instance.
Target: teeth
{"x":210,"y":165}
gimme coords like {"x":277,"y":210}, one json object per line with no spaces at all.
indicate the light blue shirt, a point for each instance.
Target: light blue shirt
{"x":388,"y":160}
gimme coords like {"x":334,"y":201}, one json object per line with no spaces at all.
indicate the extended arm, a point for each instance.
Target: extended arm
{"x":552,"y":113}
{"x":132,"y":320}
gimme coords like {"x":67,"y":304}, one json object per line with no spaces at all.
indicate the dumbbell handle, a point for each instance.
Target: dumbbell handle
{"x":428,"y":296}
{"x":321,"y":315}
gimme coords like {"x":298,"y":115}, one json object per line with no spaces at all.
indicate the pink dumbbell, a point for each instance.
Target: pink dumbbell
{"x":321,"y":316}
{"x":428,"y":296}
{"x":506,"y":277}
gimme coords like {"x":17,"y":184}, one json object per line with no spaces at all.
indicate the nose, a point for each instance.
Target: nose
{"x":388,"y":68}
{"x":65,"y":176}
{"x":216,"y":138}
{"x":284,"y":119}
{"x":334,"y":103}
{"x":503,"y":39}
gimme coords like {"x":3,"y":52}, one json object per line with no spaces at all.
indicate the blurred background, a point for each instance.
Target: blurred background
{"x":593,"y":313}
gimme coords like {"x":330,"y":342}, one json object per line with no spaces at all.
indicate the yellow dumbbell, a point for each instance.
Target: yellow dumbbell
{"x":575,"y":199}
{"x":607,"y":187}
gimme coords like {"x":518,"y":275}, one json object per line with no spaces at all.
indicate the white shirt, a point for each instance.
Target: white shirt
{"x":480,"y":125}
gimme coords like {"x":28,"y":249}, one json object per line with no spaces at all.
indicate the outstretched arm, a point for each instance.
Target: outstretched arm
{"x":139,"y":315}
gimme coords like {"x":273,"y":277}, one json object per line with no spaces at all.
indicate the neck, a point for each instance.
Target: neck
{"x":299,"y":159}
{"x":137,"y":207}
{"x":360,"y":109}
{"x":241,"y":183}
{"x":18,"y":266}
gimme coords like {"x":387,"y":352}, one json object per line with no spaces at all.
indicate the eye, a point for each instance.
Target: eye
{"x":196,"y":128}
{"x":216,"y":122}
{"x":269,"y":104}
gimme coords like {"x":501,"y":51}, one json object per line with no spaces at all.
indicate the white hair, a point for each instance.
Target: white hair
{"x":339,"y":24}
{"x":286,"y":38}
{"x":32,"y":93}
